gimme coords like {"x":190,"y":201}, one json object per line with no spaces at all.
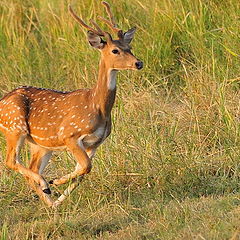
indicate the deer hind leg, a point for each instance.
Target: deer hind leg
{"x":14,"y":144}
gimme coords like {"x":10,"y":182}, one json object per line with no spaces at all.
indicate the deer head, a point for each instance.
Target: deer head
{"x":116,"y":54}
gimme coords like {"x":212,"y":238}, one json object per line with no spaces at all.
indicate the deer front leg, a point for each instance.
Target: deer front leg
{"x":83,"y":162}
{"x":40,"y":158}
{"x":75,"y":182}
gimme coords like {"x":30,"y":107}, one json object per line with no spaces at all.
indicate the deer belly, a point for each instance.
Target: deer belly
{"x":95,"y":138}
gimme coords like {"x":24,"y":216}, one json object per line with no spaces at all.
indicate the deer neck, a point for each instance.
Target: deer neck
{"x":104,"y":92}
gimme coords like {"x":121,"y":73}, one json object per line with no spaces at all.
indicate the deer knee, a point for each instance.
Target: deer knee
{"x":86,"y":168}
{"x":89,"y":168}
{"x":10,"y":165}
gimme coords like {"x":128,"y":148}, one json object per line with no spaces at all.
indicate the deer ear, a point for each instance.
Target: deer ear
{"x":128,"y":36}
{"x":95,"y":41}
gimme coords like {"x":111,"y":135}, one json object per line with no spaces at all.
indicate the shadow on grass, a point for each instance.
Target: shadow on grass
{"x":105,"y":227}
{"x":190,"y":184}
{"x":96,"y":229}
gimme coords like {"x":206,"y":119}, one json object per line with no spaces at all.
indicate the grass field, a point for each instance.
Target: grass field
{"x":171,"y":167}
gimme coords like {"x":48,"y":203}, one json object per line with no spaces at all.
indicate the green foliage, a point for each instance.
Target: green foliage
{"x":4,"y":232}
{"x":170,"y":169}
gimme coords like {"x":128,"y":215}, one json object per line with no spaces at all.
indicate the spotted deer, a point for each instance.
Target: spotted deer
{"x":78,"y":121}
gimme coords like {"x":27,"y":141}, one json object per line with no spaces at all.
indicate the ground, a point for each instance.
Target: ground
{"x":171,"y":167}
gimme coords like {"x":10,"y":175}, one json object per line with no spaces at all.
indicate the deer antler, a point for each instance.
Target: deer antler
{"x":112,"y":24}
{"x":99,"y":32}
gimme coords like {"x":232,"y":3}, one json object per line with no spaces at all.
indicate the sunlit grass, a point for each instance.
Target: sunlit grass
{"x":170,"y":169}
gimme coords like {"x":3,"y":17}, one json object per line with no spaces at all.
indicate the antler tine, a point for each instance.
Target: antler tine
{"x":97,"y":27}
{"x":110,"y":23}
{"x":99,"y":32}
{"x":114,"y":28}
{"x":109,"y":12}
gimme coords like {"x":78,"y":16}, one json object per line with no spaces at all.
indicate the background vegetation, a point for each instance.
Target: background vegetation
{"x":171,"y":167}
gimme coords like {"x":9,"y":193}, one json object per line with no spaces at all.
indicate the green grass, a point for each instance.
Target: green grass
{"x":171,"y":167}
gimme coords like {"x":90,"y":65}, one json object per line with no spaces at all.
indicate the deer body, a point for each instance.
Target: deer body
{"x":78,"y":121}
{"x":48,"y":117}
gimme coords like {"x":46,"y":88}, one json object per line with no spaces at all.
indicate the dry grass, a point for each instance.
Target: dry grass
{"x":170,"y":169}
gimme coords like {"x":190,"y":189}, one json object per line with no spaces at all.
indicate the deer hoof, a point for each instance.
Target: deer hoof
{"x":47,"y":191}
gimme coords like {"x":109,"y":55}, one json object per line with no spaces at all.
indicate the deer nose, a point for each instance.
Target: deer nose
{"x":139,"y":65}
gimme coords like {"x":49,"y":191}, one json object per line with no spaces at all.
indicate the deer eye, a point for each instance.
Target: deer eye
{"x":115,"y":51}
